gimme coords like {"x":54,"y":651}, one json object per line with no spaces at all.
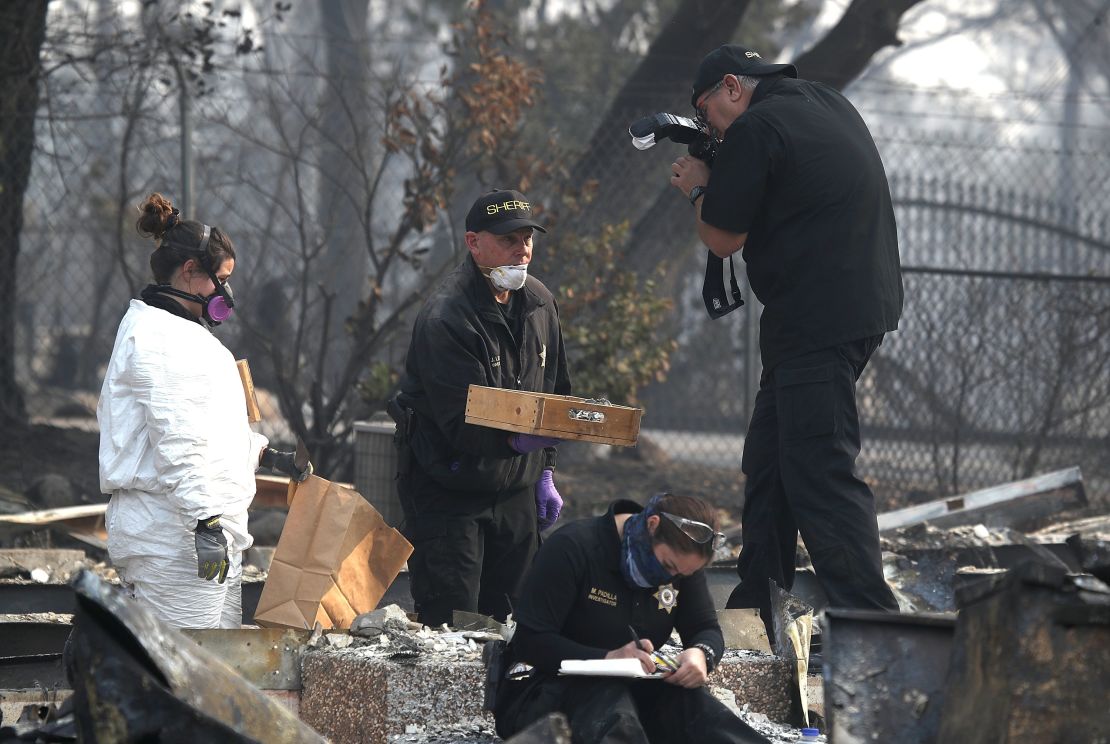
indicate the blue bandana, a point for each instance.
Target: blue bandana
{"x":639,"y":565}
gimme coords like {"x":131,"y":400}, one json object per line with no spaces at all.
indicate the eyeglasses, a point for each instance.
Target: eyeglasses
{"x":699,"y":532}
{"x":700,"y":112}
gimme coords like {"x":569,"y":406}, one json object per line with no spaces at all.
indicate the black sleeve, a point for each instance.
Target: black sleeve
{"x":548,"y":597}
{"x":737,"y":183}
{"x":696,"y":617}
{"x":562,"y":381}
{"x":562,"y":374}
{"x":448,"y":364}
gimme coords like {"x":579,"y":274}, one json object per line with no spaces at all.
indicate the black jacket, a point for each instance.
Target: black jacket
{"x":461,"y":338}
{"x":576,"y":604}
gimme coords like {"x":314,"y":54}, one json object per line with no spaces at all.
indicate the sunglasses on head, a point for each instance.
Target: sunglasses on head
{"x":699,"y":532}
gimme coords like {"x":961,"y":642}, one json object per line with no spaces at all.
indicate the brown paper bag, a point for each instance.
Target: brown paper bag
{"x":335,"y":559}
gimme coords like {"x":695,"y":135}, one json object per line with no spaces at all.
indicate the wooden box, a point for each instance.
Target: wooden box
{"x":545,"y":414}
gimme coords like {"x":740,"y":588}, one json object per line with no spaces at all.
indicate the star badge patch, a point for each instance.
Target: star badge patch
{"x":667,"y":596}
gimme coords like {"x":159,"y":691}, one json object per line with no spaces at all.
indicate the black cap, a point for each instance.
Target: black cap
{"x":500,"y":212}
{"x":733,"y":59}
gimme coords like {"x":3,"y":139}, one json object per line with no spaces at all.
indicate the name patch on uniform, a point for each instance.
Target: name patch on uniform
{"x":602,"y":596}
{"x":495,"y":361}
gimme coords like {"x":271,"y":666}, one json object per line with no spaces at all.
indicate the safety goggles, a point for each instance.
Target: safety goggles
{"x":699,"y":532}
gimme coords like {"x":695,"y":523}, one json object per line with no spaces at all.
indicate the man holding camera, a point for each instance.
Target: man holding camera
{"x":797,"y":184}
{"x":475,"y":498}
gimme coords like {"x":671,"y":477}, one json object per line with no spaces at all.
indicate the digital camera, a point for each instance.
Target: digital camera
{"x":650,"y":129}
{"x":703,"y":146}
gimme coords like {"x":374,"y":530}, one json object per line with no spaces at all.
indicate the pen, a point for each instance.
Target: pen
{"x":636,"y":638}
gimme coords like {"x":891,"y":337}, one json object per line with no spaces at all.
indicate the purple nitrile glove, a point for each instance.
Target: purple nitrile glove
{"x":548,"y":501}
{"x":525,"y":443}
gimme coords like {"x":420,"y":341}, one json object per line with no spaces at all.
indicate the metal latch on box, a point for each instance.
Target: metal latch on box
{"x":595,"y":417}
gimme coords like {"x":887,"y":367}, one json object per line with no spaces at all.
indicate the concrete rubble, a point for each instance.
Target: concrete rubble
{"x":417,"y":681}
{"x":390,"y":679}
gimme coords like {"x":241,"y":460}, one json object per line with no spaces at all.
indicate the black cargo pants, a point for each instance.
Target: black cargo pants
{"x":470,"y":548}
{"x":799,"y":461}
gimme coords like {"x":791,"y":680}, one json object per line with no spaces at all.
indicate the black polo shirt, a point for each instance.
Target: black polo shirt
{"x":575,"y":603}
{"x":800,"y":174}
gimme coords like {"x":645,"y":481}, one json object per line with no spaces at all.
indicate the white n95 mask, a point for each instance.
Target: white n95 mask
{"x":508,"y":278}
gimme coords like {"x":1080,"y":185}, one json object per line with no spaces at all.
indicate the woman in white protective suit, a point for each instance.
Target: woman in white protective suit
{"x":177,"y":455}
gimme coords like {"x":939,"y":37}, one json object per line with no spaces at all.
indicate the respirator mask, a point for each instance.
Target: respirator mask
{"x":216,"y":307}
{"x":507,"y":278}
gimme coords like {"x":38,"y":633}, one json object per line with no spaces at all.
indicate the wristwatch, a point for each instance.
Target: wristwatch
{"x":710,"y":656}
{"x":695,"y":193}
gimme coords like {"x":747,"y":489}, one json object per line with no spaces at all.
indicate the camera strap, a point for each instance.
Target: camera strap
{"x":713,"y":287}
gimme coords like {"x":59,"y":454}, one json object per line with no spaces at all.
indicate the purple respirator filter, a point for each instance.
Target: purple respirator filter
{"x":218,"y":309}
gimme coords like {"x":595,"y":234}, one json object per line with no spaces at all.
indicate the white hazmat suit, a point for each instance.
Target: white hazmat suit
{"x":175,"y":447}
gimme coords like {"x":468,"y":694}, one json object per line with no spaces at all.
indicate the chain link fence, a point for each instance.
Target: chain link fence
{"x":81,"y":259}
{"x":991,"y":377}
{"x":1001,"y":367}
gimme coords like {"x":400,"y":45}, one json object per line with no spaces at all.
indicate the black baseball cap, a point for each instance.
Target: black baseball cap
{"x":733,"y":59}
{"x":501,"y":211}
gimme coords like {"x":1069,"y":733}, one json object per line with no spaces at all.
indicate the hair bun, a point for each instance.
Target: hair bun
{"x":156,"y":215}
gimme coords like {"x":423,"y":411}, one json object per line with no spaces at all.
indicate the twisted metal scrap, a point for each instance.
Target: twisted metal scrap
{"x":135,"y":678}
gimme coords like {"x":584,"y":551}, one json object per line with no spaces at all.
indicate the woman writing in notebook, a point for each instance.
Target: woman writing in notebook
{"x":616,"y":586}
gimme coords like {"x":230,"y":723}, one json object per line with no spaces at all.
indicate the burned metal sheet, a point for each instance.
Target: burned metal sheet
{"x":27,"y":598}
{"x":28,"y":638}
{"x":32,"y":670}
{"x":463,"y":620}
{"x":133,"y":677}
{"x":22,"y":598}
{"x":1018,"y":504}
{"x":1092,"y":554}
{"x":744,"y":629}
{"x":1030,"y":659}
{"x":923,"y":562}
{"x":268,"y":658}
{"x":884,"y":675}
{"x":31,"y":654}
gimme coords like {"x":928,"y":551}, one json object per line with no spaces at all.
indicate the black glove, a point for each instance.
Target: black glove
{"x":211,"y":550}
{"x":283,"y":462}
